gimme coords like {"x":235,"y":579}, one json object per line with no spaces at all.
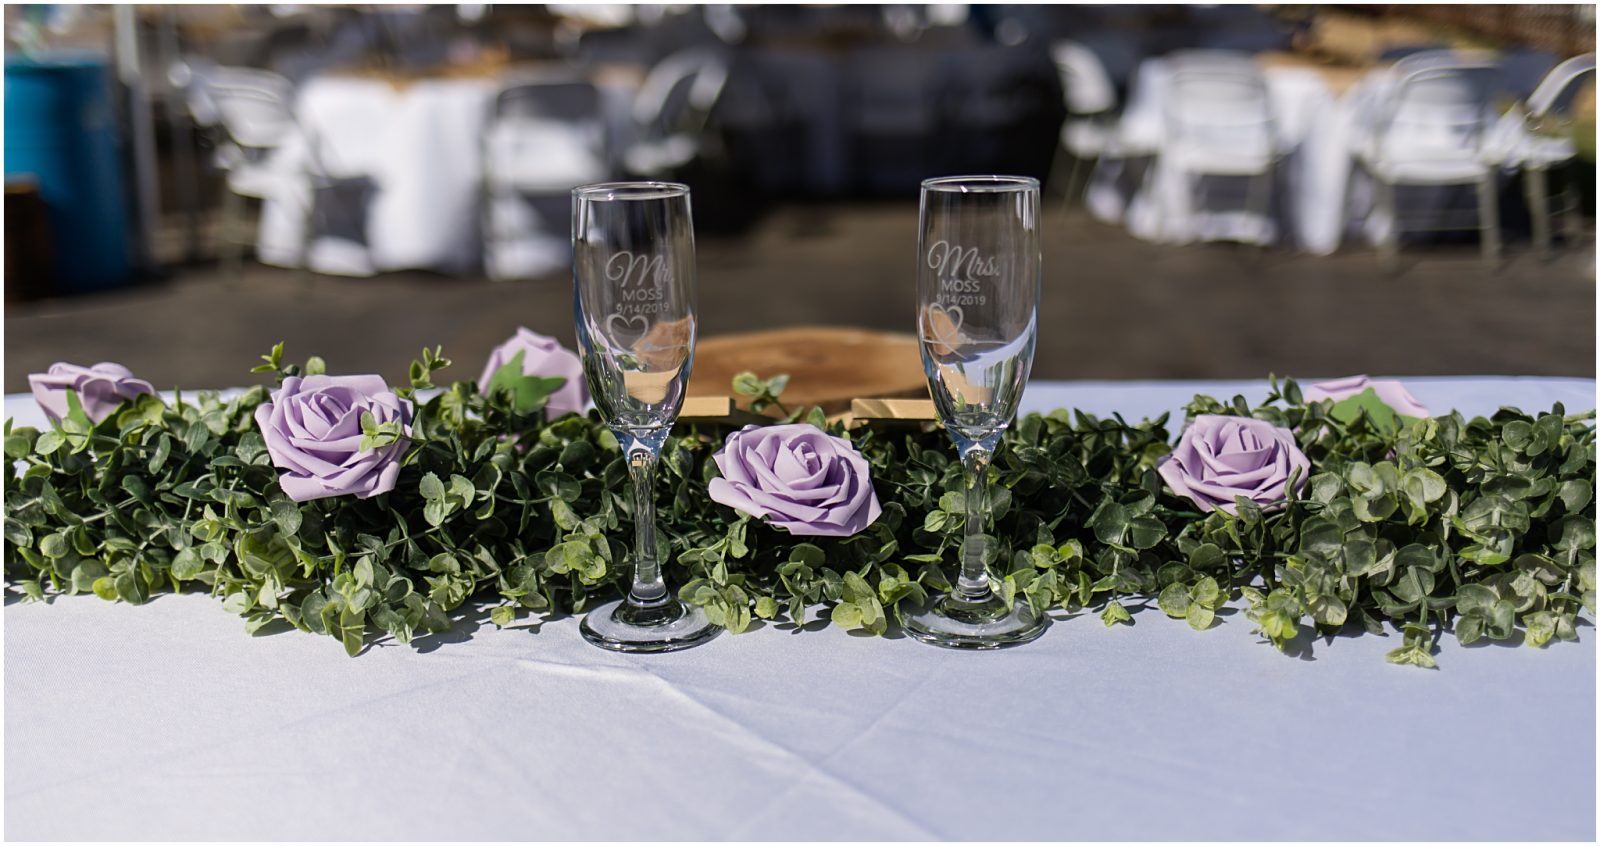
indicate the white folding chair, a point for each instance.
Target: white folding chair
{"x":1432,"y":133}
{"x":1089,"y":131}
{"x":544,"y":137}
{"x":252,"y":107}
{"x":1540,"y":151}
{"x":1219,"y":124}
{"x":671,"y":109}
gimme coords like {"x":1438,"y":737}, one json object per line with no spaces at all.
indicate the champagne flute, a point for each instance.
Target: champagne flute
{"x":977,"y":316}
{"x":633,"y":276}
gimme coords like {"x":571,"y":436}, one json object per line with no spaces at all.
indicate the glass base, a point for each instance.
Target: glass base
{"x":986,"y":624}
{"x":665,"y":627}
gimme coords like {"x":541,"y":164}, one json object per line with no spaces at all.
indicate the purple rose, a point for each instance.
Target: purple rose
{"x":100,"y":388}
{"x":313,"y":431}
{"x":542,"y":356}
{"x":796,"y":477}
{"x":1390,"y":391}
{"x":1221,"y":457}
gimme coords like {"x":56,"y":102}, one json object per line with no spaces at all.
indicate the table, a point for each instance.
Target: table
{"x":168,"y":722}
{"x":420,"y":145}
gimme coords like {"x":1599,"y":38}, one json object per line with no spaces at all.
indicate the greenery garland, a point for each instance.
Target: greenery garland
{"x":1484,"y":527}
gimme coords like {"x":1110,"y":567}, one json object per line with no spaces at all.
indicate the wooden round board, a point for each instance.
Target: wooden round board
{"x":827,"y":366}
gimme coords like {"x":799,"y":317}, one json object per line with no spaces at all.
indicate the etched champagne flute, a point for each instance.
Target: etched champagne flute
{"x":977,"y":317}
{"x":633,"y":273}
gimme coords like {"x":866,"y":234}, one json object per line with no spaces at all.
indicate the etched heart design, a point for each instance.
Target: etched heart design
{"x":943,"y":327}
{"x":626,"y":331}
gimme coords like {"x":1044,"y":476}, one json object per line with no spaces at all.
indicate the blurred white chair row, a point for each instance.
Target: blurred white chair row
{"x":1433,"y":125}
{"x":1548,"y":143}
{"x":542,"y":136}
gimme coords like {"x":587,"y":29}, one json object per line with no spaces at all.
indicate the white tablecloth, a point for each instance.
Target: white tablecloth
{"x":168,"y":722}
{"x":421,"y":146}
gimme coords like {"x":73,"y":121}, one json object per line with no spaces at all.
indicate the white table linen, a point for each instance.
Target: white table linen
{"x":421,"y":145}
{"x":168,"y":722}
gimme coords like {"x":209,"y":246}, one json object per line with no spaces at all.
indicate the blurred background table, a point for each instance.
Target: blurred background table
{"x":171,"y":723}
{"x":386,"y":170}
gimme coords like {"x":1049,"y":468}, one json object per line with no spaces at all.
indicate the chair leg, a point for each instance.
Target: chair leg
{"x":1258,"y":200}
{"x":493,"y":261}
{"x":1071,"y":190}
{"x":1389,"y":244}
{"x":230,"y":243}
{"x":1572,"y":207}
{"x":1055,"y":167}
{"x":1489,"y":218}
{"x":1535,"y":183}
{"x":308,"y":230}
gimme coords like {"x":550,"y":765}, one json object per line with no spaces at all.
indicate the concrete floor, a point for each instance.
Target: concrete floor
{"x":1113,"y":308}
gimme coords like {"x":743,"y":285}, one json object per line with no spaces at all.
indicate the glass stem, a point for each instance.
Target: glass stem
{"x":973,"y":585}
{"x":648,"y":590}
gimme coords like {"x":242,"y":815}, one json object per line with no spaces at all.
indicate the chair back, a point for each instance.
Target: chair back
{"x":1426,"y":59}
{"x":1560,"y":86}
{"x":1439,"y":110}
{"x":564,"y":100}
{"x":1085,"y":85}
{"x":253,"y":106}
{"x":1214,"y":62}
{"x":190,"y":74}
{"x":679,"y":92}
{"x":545,"y":136}
{"x":1219,"y":105}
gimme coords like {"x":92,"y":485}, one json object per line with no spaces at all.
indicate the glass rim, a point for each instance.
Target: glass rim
{"x":980,"y":184}
{"x":600,"y":192}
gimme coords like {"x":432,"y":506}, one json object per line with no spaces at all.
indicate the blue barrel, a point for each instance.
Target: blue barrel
{"x":61,"y":130}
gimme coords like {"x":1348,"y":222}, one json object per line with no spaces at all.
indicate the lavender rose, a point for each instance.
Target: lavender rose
{"x":1390,"y":391}
{"x":313,"y":430}
{"x":542,"y":356}
{"x":798,"y":478}
{"x":1220,"y":457}
{"x":100,"y":389}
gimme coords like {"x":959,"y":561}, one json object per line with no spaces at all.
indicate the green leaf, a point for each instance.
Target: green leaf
{"x":1114,"y":613}
{"x":1146,"y":532}
{"x":286,"y":513}
{"x":808,"y":554}
{"x":748,"y":384}
{"x":1174,"y":600}
{"x":49,"y":442}
{"x":1576,"y":493}
{"x":1328,"y":610}
{"x":54,"y":546}
{"x":431,"y":488}
{"x":1349,"y":409}
{"x":187,"y":564}
{"x":1416,"y":656}
{"x":20,"y":442}
{"x":1109,"y":522}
